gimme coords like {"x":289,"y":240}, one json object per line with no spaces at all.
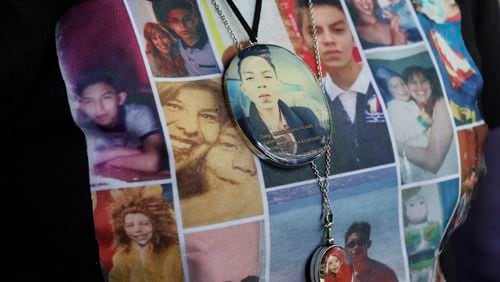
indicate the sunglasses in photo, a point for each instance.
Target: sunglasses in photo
{"x":359,"y":242}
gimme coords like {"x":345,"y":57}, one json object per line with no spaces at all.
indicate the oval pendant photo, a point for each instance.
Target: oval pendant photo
{"x":331,"y":264}
{"x":278,"y":105}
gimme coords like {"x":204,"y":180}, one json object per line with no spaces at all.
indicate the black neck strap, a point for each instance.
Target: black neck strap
{"x":252,"y":32}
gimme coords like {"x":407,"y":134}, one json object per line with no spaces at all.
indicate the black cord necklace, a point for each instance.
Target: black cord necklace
{"x":251,"y":31}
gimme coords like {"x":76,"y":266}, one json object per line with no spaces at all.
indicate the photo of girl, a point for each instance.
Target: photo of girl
{"x":101,"y":202}
{"x":335,"y":266}
{"x":418,"y":112}
{"x":379,"y":27}
{"x":146,"y":235}
{"x":213,"y":166}
{"x":292,"y":133}
{"x":162,"y":53}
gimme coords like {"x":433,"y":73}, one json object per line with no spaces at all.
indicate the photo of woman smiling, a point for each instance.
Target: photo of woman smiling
{"x":194,"y":113}
{"x":212,"y":163}
{"x":287,"y":131}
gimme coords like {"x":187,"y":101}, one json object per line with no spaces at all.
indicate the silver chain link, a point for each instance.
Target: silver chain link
{"x":319,"y":68}
{"x":227,"y":25}
{"x":323,"y":183}
{"x":324,"y":186}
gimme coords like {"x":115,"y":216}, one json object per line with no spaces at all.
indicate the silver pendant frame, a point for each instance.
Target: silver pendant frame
{"x":318,"y":258}
{"x":250,"y":138}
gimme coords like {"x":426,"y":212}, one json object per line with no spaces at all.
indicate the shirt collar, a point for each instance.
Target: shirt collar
{"x":360,"y":85}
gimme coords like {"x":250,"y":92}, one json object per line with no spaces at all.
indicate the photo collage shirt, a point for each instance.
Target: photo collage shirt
{"x":178,"y":196}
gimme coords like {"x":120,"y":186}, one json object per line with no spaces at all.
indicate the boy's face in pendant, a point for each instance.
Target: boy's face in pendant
{"x":259,"y":82}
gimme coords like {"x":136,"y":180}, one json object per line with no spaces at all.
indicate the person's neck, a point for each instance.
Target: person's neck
{"x":164,"y":54}
{"x":271,"y":117}
{"x":408,"y":101}
{"x":344,"y":77}
{"x":112,"y":126}
{"x":362,"y":264}
{"x":191,"y":41}
{"x":142,"y":251}
{"x":366,"y":20}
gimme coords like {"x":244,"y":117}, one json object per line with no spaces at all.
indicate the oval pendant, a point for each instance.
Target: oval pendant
{"x":331,"y":263}
{"x":277,"y":105}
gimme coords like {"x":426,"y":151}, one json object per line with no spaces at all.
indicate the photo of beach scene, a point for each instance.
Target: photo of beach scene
{"x":295,"y":221}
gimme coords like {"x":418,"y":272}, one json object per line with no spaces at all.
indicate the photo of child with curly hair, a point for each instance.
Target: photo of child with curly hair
{"x":146,"y":234}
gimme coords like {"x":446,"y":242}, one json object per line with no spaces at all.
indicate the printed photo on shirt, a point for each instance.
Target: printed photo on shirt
{"x":216,"y":172}
{"x":111,"y":98}
{"x":381,"y":23}
{"x":426,"y":211}
{"x":137,"y":234}
{"x":335,"y":265}
{"x":420,"y":120}
{"x":278,"y":103}
{"x":441,"y":22}
{"x":471,"y":142}
{"x":360,"y":227}
{"x":360,"y":137}
{"x":174,"y":38}
{"x":234,"y":253}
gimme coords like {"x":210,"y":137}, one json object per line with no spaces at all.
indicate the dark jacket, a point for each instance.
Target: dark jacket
{"x":296,"y":117}
{"x":364,"y":143}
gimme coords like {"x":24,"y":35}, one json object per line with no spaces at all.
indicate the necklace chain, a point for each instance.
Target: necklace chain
{"x":319,"y":69}
{"x":328,"y":217}
{"x":324,"y":185}
{"x":227,"y":25}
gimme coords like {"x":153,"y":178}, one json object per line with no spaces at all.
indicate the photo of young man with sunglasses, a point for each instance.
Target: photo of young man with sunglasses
{"x":357,"y":243}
